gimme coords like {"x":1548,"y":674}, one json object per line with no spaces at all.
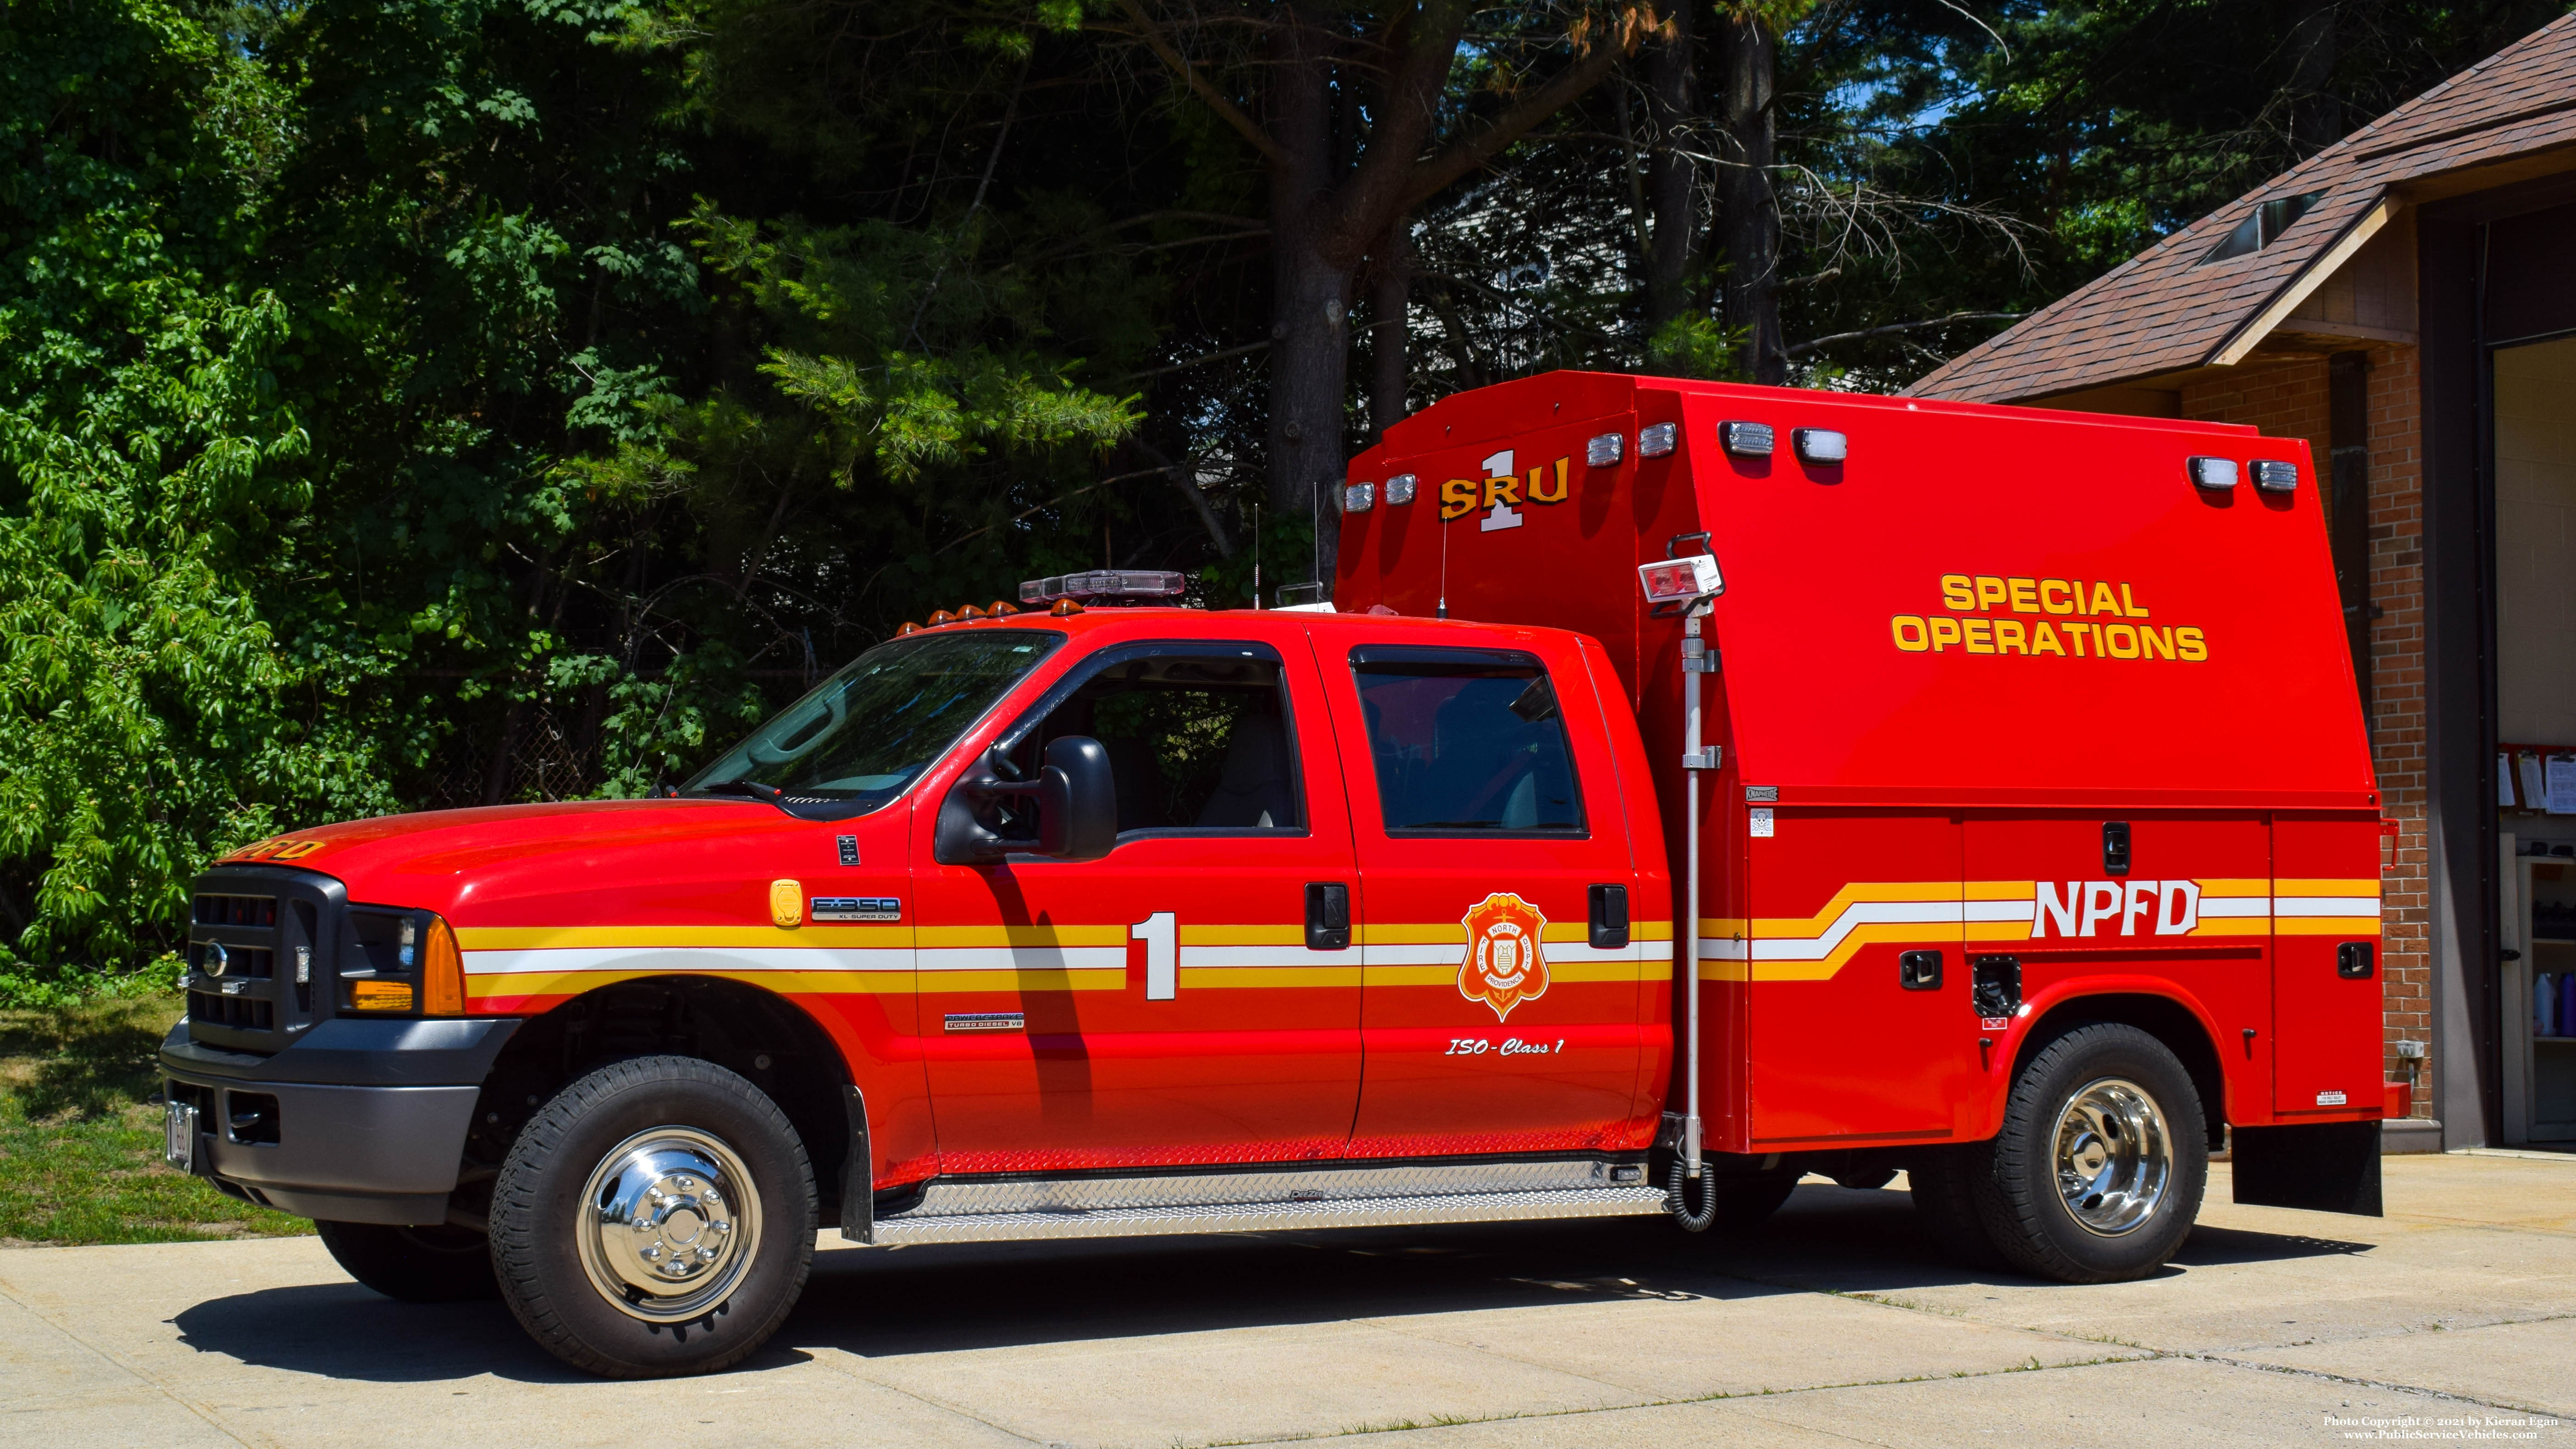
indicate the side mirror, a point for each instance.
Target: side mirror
{"x":1077,"y":800}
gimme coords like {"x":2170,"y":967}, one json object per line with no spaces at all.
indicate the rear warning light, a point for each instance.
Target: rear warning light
{"x":1819,"y":445}
{"x":1745,"y":440}
{"x":1604,"y":450}
{"x":1680,"y":580}
{"x":1359,"y":498}
{"x":2274,"y":477}
{"x":1656,"y":441}
{"x":1103,"y":584}
{"x":1399,"y":490}
{"x":2212,"y":473}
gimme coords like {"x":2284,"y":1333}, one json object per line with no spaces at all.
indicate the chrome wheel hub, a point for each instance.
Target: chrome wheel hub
{"x":669,"y":1222}
{"x":2114,"y":1157}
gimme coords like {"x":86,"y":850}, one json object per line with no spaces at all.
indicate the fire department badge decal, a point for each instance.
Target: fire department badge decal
{"x":1505,"y":965}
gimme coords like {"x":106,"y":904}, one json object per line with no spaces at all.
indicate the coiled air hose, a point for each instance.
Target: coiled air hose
{"x":1677,"y":1195}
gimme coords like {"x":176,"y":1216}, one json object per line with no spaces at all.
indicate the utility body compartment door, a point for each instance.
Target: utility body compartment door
{"x":1502,"y":1012}
{"x":2187,"y":921}
{"x":1842,"y":1046}
{"x":2327,"y":988}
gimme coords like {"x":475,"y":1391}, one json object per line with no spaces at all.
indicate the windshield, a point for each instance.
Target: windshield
{"x":863,"y":736}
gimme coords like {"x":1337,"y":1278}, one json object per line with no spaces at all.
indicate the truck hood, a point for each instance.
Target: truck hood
{"x":444,"y":860}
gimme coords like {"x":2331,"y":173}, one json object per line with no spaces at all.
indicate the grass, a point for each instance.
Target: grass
{"x":80,"y":1137}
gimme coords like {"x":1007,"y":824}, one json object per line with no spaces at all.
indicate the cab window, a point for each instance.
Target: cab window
{"x":1198,"y":741}
{"x":1467,"y":742}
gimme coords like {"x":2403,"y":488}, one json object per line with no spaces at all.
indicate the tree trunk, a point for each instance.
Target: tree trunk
{"x":2316,"y":116}
{"x":1309,"y":331}
{"x":1668,"y":172}
{"x":1390,"y":331}
{"x":1748,"y":214}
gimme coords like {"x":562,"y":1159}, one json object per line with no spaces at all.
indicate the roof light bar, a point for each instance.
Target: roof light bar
{"x":2212,"y":473}
{"x":1399,"y":490}
{"x":1605,"y":450}
{"x":1103,"y":584}
{"x":1745,"y":440}
{"x":1819,"y":445}
{"x":1359,"y":498}
{"x":2275,"y":477}
{"x":1655,"y":440}
{"x":1681,"y":580}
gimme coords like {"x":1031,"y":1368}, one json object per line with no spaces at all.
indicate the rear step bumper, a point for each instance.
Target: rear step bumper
{"x":1270,"y":1201}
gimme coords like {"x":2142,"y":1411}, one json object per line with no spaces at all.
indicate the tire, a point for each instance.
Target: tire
{"x":2097,"y":1174}
{"x":414,"y":1265}
{"x":1943,"y":1184}
{"x":713,"y":1226}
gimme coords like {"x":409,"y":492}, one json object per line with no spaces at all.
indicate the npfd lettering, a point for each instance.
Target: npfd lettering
{"x":2090,"y":907}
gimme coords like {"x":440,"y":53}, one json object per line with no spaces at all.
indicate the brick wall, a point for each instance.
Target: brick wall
{"x":2285,"y":396}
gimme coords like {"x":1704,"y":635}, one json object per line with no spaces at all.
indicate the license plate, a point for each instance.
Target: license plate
{"x":179,"y":1136}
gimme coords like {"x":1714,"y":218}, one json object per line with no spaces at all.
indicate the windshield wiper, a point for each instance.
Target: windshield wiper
{"x":753,"y":788}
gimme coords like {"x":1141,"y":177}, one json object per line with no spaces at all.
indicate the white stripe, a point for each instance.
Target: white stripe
{"x":1432,"y":955}
{"x":1205,"y":956}
{"x":2323,"y":906}
{"x":1652,"y":950}
{"x":684,"y":958}
{"x":1855,"y":915}
{"x":1023,"y":958}
{"x":2002,"y":910}
{"x":1720,"y":948}
{"x":2234,"y":907}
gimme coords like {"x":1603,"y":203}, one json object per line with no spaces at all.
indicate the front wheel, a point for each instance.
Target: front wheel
{"x":2097,"y":1174}
{"x":655,"y":1219}
{"x":414,"y":1265}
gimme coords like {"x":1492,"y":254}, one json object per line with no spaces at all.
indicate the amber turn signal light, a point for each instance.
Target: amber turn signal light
{"x":380,"y":995}
{"x":442,"y":973}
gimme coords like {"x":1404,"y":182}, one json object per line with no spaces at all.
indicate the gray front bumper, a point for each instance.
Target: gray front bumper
{"x":382,"y":1148}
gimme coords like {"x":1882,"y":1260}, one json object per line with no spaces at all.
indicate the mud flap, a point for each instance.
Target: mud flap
{"x":2326,"y":1167}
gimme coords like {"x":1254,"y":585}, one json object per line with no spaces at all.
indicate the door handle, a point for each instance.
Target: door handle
{"x":1328,"y":916}
{"x":1609,"y":917}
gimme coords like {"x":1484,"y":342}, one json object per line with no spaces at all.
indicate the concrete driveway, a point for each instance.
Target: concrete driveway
{"x":2452,"y":1319}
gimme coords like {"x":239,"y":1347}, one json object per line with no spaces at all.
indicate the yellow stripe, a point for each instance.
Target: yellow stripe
{"x":1722,"y":928}
{"x":2326,"y":926}
{"x":1410,"y":975}
{"x":2231,"y":888}
{"x":1869,"y":933}
{"x":1032,"y":979}
{"x":1996,"y":930}
{"x":788,"y":983}
{"x":2325,"y":887}
{"x":537,"y":938}
{"x":2002,"y":890}
{"x":1722,"y":971}
{"x":1396,"y":933}
{"x":1651,"y":931}
{"x":1808,"y":928}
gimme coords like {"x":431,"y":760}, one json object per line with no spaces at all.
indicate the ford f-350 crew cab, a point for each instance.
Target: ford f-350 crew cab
{"x":1691,"y":787}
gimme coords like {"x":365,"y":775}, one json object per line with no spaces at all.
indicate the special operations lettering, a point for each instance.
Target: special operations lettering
{"x":2075,"y":631}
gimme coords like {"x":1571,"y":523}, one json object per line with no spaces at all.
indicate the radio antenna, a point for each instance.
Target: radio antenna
{"x":1256,"y":555}
{"x":1442,"y":610}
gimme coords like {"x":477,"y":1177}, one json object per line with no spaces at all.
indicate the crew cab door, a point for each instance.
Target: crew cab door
{"x":1491,"y":841}
{"x":1162,"y":1005}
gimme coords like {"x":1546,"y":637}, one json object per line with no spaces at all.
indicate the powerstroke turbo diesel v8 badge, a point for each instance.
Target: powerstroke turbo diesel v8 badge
{"x":1506,"y":964}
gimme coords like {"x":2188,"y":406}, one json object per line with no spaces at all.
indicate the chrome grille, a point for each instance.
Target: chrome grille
{"x":249,"y":927}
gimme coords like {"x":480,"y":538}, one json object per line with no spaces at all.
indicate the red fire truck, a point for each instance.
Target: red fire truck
{"x":1690,"y":787}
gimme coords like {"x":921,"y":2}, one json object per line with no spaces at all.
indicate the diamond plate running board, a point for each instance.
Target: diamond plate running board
{"x":1269,"y":1201}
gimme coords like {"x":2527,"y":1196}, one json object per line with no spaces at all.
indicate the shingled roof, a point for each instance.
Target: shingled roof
{"x":2170,"y":308}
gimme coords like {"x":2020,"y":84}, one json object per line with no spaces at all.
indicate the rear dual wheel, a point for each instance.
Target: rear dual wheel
{"x":2097,"y":1174}
{"x":655,"y":1219}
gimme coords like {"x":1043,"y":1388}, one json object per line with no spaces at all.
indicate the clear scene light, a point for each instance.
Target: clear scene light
{"x":1820,"y":445}
{"x":1745,"y":440}
{"x":2275,"y":477}
{"x":1680,"y":580}
{"x":1604,"y":450}
{"x":1359,"y":498}
{"x":1399,"y":490}
{"x":2211,"y":472}
{"x":1657,"y":440}
{"x":1103,"y":584}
